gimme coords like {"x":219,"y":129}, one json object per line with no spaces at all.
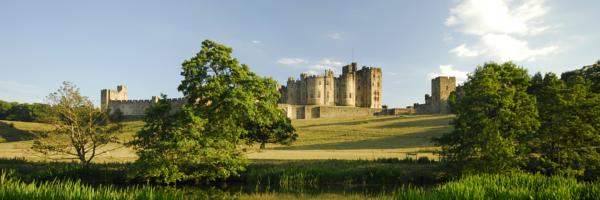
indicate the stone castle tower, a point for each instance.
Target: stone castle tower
{"x":107,"y":95}
{"x":355,"y":88}
{"x":441,"y":87}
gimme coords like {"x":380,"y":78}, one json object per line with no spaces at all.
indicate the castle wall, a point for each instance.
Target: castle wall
{"x":340,"y":111}
{"x":314,"y":111}
{"x":138,"y":107}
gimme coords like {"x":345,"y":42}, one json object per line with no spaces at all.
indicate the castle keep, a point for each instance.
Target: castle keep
{"x":354,"y":88}
{"x":353,"y":93}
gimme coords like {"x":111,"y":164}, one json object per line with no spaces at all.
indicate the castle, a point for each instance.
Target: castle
{"x":354,"y":88}
{"x":351,"y":94}
{"x":112,"y":101}
{"x":441,"y":87}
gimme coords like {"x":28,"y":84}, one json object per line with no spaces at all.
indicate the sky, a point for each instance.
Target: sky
{"x":141,"y":44}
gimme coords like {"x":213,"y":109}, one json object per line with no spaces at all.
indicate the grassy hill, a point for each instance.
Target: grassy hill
{"x":343,"y":138}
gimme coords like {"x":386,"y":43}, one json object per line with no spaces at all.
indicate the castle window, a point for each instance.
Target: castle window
{"x":350,"y":95}
{"x":319,"y":82}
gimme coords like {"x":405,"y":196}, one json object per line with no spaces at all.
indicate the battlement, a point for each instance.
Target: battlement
{"x":146,"y":100}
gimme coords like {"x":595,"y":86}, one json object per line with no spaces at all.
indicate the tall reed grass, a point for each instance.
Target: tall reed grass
{"x":11,"y":188}
{"x":508,"y":186}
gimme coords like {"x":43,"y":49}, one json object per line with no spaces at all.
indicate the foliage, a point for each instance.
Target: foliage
{"x":175,"y":147}
{"x":494,"y":118}
{"x":81,"y":130}
{"x":569,"y":137}
{"x":227,"y":104}
{"x":236,"y":102}
{"x":36,"y":112}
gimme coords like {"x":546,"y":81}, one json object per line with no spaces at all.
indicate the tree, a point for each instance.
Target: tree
{"x":494,"y":118}
{"x":82,"y":131}
{"x":5,"y":108}
{"x":569,"y":137}
{"x":227,"y":105}
{"x":237,"y":102}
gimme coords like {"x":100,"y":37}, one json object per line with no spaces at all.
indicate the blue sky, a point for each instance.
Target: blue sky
{"x":141,"y":44}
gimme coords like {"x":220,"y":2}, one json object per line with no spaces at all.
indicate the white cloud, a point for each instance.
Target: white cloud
{"x":505,"y":48}
{"x":335,"y":36}
{"x":312,"y":66}
{"x":479,"y":17}
{"x":291,"y":61}
{"x":326,"y":63}
{"x":311,"y":72}
{"x":256,"y":42}
{"x":448,"y":70}
{"x":464,"y":51}
{"x":502,"y":27}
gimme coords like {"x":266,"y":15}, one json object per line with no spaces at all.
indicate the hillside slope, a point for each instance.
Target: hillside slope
{"x":345,"y":138}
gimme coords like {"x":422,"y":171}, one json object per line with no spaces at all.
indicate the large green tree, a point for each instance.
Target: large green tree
{"x":228,"y":105}
{"x":495,"y":116}
{"x":237,"y":103}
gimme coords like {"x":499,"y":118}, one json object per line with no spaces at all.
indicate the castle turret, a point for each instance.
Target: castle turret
{"x":329,"y":89}
{"x":441,"y":87}
{"x":107,"y":95}
{"x":314,"y":86}
{"x":345,"y":86}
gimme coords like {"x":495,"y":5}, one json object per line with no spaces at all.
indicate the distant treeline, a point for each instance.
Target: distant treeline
{"x":34,"y":112}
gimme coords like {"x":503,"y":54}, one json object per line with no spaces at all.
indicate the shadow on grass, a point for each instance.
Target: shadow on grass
{"x":410,"y":140}
{"x":411,"y":121}
{"x":428,"y":122}
{"x":8,"y":133}
{"x":353,"y":122}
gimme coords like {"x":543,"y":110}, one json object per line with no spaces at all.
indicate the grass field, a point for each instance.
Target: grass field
{"x":343,"y":138}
